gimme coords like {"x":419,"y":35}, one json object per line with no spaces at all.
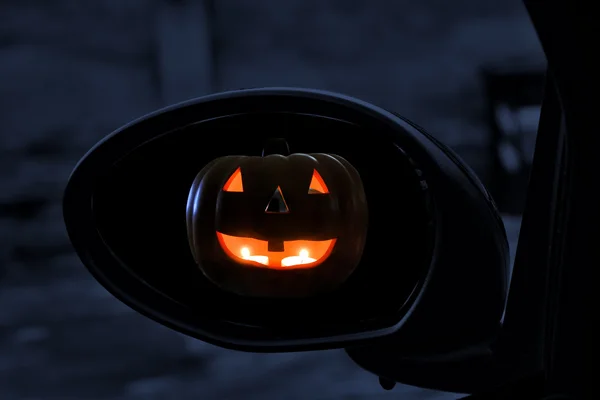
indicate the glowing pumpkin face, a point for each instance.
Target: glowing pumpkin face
{"x":298,"y":222}
{"x":274,"y":252}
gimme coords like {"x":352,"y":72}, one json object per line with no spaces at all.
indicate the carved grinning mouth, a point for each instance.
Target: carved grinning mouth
{"x":293,"y":255}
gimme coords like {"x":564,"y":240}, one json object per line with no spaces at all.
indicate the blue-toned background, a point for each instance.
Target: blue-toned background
{"x":71,"y":71}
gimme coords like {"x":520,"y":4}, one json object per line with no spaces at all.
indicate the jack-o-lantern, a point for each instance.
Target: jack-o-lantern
{"x":277,"y":224}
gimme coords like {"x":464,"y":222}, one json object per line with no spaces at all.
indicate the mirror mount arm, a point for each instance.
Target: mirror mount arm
{"x":524,"y":334}
{"x":516,"y":355}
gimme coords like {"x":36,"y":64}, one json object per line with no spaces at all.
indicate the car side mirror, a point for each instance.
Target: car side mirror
{"x":353,"y":229}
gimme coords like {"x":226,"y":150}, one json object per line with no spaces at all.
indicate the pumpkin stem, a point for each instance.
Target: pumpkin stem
{"x":276,"y":146}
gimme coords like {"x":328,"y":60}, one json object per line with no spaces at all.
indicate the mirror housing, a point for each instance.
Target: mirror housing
{"x":432,"y":280}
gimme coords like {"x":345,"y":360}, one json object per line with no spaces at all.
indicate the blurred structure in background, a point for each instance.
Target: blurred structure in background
{"x":514,"y":96}
{"x":72,"y":71}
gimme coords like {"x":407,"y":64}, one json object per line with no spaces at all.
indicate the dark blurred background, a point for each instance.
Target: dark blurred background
{"x":71,"y":71}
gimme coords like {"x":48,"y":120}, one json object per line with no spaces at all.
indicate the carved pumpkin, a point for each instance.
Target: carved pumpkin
{"x":277,"y":225}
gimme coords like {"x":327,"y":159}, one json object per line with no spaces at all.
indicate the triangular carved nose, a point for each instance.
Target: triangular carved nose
{"x":277,"y":204}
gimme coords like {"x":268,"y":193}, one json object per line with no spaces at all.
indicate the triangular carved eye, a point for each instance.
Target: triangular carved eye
{"x":234,"y":183}
{"x":317,"y":184}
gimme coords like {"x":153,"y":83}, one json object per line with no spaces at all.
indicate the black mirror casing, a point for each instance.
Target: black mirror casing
{"x":434,"y":276}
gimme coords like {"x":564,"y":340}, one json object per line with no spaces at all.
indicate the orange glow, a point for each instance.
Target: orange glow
{"x":234,"y":183}
{"x":296,"y":254}
{"x":317,"y":184}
